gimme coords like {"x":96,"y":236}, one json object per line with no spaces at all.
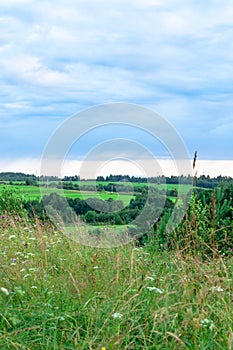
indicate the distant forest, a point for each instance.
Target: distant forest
{"x":202,"y":181}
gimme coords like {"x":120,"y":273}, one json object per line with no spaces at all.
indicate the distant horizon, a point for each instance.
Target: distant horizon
{"x":213,"y":168}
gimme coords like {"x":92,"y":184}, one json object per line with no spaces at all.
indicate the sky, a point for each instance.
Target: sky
{"x":58,"y":58}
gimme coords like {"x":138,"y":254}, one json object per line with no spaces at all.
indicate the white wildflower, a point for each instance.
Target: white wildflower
{"x":117,"y":315}
{"x":12,"y":236}
{"x":26,"y":276}
{"x":149,"y":278}
{"x":5,"y":291}
{"x":212,"y":326}
{"x":33,"y":287}
{"x":95,"y":267}
{"x":207,"y":323}
{"x":217,"y":289}
{"x":157,"y":290}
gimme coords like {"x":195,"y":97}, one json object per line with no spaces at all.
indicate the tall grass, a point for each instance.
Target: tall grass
{"x":57,"y":294}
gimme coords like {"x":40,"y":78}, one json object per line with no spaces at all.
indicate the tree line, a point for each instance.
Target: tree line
{"x":204,"y":181}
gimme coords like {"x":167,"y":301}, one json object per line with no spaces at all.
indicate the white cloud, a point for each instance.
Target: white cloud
{"x":28,"y":69}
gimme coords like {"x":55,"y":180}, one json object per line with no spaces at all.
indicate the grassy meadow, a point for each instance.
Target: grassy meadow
{"x":58,"y":294}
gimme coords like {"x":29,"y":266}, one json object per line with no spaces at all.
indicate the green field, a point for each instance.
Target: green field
{"x":35,"y":192}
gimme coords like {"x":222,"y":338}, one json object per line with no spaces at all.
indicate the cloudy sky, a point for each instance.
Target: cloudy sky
{"x":58,"y":58}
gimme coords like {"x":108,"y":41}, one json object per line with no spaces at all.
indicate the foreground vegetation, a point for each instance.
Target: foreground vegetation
{"x":56,"y":294}
{"x":168,"y":290}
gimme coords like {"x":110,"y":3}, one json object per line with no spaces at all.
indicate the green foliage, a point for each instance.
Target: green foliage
{"x":31,"y":182}
{"x":11,"y":202}
{"x":206,"y":229}
{"x":58,"y":209}
{"x":12,"y":176}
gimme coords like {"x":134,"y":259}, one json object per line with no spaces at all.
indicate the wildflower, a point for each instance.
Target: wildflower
{"x":117,"y":315}
{"x":150,"y":278}
{"x":157,"y":290}
{"x":95,"y":267}
{"x":217,"y":289}
{"x":33,"y":269}
{"x":5,"y":291}
{"x":26,"y":276}
{"x":207,"y":323}
{"x":14,"y":260}
{"x":33,"y":287}
{"x":11,"y":236}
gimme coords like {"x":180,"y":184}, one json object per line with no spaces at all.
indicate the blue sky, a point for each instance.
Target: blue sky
{"x":59,"y":57}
